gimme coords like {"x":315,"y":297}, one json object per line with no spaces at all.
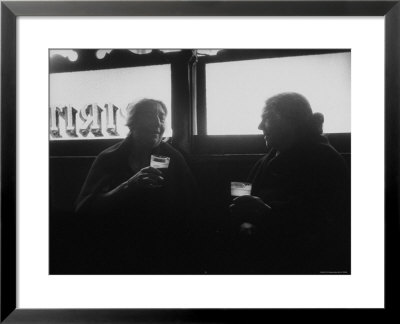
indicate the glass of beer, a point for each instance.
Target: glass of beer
{"x":159,"y":162}
{"x":240,"y":189}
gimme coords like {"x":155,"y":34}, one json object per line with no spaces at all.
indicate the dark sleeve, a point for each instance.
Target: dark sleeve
{"x":320,"y":184}
{"x":95,"y":183}
{"x":327,"y":192}
{"x":321,"y":205}
{"x":331,"y":196}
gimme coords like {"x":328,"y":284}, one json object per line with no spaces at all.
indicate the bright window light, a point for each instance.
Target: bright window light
{"x":74,"y":94}
{"x":237,"y":91}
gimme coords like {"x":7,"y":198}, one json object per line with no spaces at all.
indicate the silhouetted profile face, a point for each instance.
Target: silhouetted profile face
{"x":286,"y":120}
{"x":148,"y":124}
{"x":278,"y":131}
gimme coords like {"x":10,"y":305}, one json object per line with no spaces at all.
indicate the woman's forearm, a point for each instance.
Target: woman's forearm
{"x":105,"y":201}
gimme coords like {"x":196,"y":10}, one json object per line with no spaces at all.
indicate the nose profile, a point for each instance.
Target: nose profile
{"x":159,"y":121}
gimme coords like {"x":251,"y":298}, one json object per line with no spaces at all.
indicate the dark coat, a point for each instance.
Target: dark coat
{"x":308,"y":189}
{"x":145,"y":232}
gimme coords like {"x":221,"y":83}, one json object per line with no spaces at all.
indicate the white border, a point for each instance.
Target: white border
{"x":363,"y":288}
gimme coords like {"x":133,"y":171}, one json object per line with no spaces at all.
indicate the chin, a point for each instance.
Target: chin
{"x":155,"y":144}
{"x":151,"y":140}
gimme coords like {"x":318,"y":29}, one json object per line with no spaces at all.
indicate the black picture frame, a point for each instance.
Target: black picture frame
{"x":10,"y":10}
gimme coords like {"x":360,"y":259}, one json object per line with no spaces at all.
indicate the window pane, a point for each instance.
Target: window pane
{"x":236,"y":91}
{"x":74,"y":94}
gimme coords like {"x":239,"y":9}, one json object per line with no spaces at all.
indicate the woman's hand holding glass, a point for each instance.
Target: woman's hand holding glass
{"x":147,"y":177}
{"x":249,"y":212}
{"x":246,"y":205}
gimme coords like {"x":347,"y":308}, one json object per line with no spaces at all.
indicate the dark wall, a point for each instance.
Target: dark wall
{"x":213,"y":174}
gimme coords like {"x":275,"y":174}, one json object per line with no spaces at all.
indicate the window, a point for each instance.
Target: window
{"x":236,"y":91}
{"x":92,"y":104}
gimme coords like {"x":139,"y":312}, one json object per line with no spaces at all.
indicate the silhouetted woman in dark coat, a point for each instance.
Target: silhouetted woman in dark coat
{"x":297,"y":219}
{"x":138,"y":218}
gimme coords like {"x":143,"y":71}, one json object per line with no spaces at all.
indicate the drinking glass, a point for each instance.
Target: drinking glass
{"x":240,"y":189}
{"x":159,"y":162}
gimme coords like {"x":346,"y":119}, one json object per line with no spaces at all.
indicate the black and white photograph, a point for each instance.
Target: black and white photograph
{"x":199,"y":161}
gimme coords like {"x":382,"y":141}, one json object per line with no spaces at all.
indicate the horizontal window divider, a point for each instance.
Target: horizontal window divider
{"x":253,"y":144}
{"x":202,"y":145}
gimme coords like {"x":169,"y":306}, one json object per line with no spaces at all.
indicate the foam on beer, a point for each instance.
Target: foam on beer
{"x":159,"y":162}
